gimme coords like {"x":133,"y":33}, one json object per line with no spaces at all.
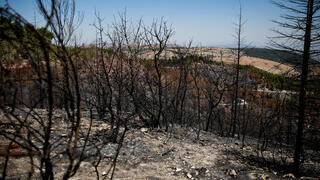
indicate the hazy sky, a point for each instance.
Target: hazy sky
{"x":207,"y":22}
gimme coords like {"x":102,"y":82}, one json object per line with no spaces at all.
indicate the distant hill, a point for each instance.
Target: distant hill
{"x":283,"y":57}
{"x":279,"y":56}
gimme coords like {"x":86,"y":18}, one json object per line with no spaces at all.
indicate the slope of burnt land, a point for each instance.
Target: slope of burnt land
{"x":175,"y":154}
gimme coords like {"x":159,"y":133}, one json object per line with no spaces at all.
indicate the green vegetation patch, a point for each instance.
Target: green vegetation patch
{"x":280,"y":82}
{"x":280,"y":56}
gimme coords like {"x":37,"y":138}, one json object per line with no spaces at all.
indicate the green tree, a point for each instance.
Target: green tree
{"x":16,"y":38}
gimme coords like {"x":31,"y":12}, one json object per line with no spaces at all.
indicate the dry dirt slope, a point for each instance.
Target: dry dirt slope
{"x":155,"y":155}
{"x":178,"y":155}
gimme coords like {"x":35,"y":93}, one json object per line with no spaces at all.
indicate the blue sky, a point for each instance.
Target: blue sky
{"x":206,"y":22}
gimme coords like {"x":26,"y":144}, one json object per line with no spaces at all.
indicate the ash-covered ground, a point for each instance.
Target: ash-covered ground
{"x":156,"y":154}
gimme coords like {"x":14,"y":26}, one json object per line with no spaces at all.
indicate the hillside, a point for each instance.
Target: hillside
{"x":273,"y":61}
{"x":156,"y":155}
{"x":273,"y":55}
{"x":258,"y":58}
{"x":283,"y":57}
{"x":129,"y":101}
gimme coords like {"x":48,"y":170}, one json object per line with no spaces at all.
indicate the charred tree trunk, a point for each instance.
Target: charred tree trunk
{"x":303,"y":81}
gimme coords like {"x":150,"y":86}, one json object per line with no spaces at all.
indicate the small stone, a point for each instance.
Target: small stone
{"x":178,"y":169}
{"x":6,"y":109}
{"x":144,"y":130}
{"x":252,"y":175}
{"x":290,"y":175}
{"x":189,"y":175}
{"x":143,"y":165}
{"x":248,"y":148}
{"x":197,"y":173}
{"x":104,"y":173}
{"x":264,"y":176}
{"x":308,"y":178}
{"x":233,"y":173}
{"x":108,"y":156}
